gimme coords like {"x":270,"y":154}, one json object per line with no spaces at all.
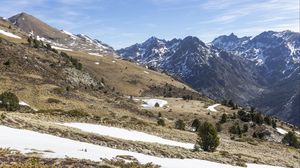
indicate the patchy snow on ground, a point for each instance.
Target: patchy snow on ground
{"x":212,"y":107}
{"x":22,"y":103}
{"x":70,"y":34}
{"x":57,"y":147}
{"x":297,"y":132}
{"x":95,"y":54}
{"x":60,"y":48}
{"x":150,"y":103}
{"x":146,"y":72}
{"x":126,"y":134}
{"x":113,"y":61}
{"x":281,"y":131}
{"x":97,"y":63}
{"x":9,"y":34}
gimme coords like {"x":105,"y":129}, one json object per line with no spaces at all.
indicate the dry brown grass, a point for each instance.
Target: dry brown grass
{"x":126,"y":77}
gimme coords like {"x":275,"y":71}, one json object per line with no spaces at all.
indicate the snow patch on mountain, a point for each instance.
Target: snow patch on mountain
{"x":29,"y":141}
{"x":9,"y":34}
{"x":126,"y":134}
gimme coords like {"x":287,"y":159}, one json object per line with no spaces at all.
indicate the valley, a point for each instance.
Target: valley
{"x":67,"y":106}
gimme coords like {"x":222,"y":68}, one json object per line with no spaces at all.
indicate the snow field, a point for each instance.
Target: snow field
{"x":57,"y":147}
{"x":126,"y":134}
{"x":212,"y":107}
{"x":9,"y":34}
{"x":150,"y":103}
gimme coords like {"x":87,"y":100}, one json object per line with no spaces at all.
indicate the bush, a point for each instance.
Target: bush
{"x":274,"y":125}
{"x":291,"y":139}
{"x":268,"y":120}
{"x":258,"y":119}
{"x":161,"y":122}
{"x":218,"y":127}
{"x":187,"y":97}
{"x":208,"y":137}
{"x":179,"y":124}
{"x":235,"y":130}
{"x":156,"y":104}
{"x":196,"y":124}
{"x":223,"y":118}
{"x":74,"y":61}
{"x":52,"y":100}
{"x":244,"y":116}
{"x":245,"y":128}
{"x":9,"y":101}
{"x":159,"y":115}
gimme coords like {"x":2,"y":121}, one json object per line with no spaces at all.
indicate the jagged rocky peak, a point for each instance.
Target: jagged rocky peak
{"x":229,"y":42}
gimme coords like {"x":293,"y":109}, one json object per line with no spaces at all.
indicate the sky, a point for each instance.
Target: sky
{"x":121,"y":23}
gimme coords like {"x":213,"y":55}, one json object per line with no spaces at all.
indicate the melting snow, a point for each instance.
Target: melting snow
{"x":9,"y":34}
{"x":212,"y":108}
{"x":126,"y":134}
{"x":28,"y":141}
{"x":281,"y":131}
{"x":97,"y":63}
{"x":96,"y":54}
{"x":59,"y":48}
{"x":146,"y":72}
{"x":150,"y":103}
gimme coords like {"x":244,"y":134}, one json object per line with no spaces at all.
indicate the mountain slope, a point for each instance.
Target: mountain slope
{"x":215,"y":73}
{"x":276,"y":56}
{"x":262,"y":71}
{"x":60,"y":39}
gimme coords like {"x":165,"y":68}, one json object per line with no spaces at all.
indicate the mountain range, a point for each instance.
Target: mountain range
{"x":81,"y":100}
{"x":260,"y":71}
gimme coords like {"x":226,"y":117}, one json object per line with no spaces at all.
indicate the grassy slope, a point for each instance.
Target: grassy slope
{"x":34,"y":87}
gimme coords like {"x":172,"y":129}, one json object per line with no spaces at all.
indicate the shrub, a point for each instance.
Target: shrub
{"x":235,"y":130}
{"x":36,"y":43}
{"x":161,"y":122}
{"x":48,"y":46}
{"x":245,"y":128}
{"x":7,"y":63}
{"x":268,"y":120}
{"x":187,"y":97}
{"x":244,"y":116}
{"x":218,"y":127}
{"x":208,"y":137}
{"x":291,"y":139}
{"x":156,"y":104}
{"x":179,"y":124}
{"x":196,"y":124}
{"x":258,"y":119}
{"x":223,"y":118}
{"x":274,"y":125}
{"x":159,"y":115}
{"x":52,"y":100}
{"x":74,"y":61}
{"x":9,"y":101}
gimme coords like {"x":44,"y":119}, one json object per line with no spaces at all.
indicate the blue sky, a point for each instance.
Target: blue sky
{"x":121,"y":23}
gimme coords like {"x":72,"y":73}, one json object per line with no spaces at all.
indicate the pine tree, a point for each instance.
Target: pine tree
{"x":208,"y":137}
{"x":223,"y":119}
{"x":291,"y":139}
{"x":196,"y":124}
{"x":9,"y":101}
